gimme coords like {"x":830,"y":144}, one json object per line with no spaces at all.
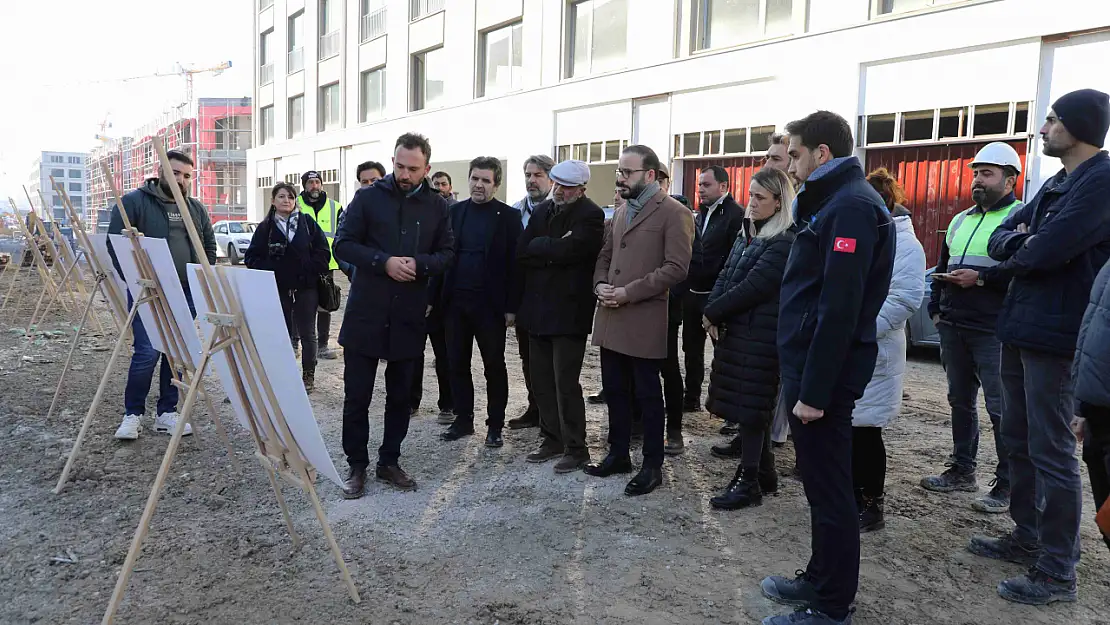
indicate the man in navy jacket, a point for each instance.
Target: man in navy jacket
{"x":479,"y":296}
{"x":836,"y":280}
{"x":1055,"y":246}
{"x":397,"y":234}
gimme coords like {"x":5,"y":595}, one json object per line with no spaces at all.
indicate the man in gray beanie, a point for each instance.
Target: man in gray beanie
{"x":1055,"y":246}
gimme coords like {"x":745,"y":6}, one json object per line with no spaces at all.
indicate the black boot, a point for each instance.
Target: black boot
{"x":730,"y":451}
{"x":743,"y":491}
{"x":871,"y":514}
{"x":768,"y":481}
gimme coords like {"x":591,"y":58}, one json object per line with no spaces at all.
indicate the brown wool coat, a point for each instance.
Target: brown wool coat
{"x":647,"y":257}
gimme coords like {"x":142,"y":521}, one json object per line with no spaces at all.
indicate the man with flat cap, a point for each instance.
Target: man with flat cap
{"x":556,"y":255}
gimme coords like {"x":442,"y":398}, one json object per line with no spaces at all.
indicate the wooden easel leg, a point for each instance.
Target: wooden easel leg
{"x":50,"y":302}
{"x":217,"y":422}
{"x":284,"y":508}
{"x":96,"y":401}
{"x":156,"y":492}
{"x":334,"y":546}
{"x":72,"y":349}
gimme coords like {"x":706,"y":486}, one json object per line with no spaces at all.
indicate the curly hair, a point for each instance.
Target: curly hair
{"x":888,"y":187}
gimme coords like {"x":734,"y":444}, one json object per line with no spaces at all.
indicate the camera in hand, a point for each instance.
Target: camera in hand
{"x":277,"y":250}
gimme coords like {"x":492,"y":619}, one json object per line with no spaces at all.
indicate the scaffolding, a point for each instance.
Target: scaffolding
{"x":214,"y":132}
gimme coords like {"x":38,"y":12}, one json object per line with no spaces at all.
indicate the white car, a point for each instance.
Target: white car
{"x":233,"y":238}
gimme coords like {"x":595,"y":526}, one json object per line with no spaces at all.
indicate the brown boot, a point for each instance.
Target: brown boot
{"x":395,"y":477}
{"x":546,"y":452}
{"x":308,"y":376}
{"x":355,"y":484}
{"x":571,"y":462}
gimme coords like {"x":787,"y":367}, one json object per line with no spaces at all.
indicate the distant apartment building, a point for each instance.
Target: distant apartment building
{"x":68,"y":170}
{"x":216,"y":136}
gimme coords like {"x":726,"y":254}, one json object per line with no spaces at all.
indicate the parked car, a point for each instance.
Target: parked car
{"x":920,"y":331}
{"x":233,"y":238}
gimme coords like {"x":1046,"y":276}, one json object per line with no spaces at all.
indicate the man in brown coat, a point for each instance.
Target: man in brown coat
{"x":646,"y":252}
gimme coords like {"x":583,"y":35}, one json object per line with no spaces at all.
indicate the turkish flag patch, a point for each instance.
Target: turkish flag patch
{"x":841,"y":244}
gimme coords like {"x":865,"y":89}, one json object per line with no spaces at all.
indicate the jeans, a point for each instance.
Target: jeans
{"x":869,"y":461}
{"x":970,"y":359}
{"x":1096,"y":453}
{"x":556,"y":367}
{"x":141,"y":372}
{"x":523,"y":345}
{"x":623,"y":375}
{"x":470,"y":320}
{"x":693,"y":343}
{"x":824,"y":451}
{"x":359,"y":372}
{"x":443,"y":374}
{"x":299,"y":308}
{"x":1046,"y":494}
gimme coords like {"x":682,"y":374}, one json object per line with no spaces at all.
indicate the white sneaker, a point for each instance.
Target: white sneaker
{"x":130,"y":428}
{"x":167,"y":422}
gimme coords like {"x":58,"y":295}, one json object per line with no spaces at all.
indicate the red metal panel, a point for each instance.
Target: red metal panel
{"x":937,"y":182}
{"x":740,"y":171}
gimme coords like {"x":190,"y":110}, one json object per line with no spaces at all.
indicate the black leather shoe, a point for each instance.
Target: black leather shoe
{"x":355,"y":484}
{"x":731,"y":451}
{"x":530,"y":419}
{"x":493,"y":439}
{"x":769,"y":481}
{"x":730,"y":429}
{"x":597,"y":398}
{"x":456,"y":431}
{"x":611,"y":465}
{"x":645,"y":481}
{"x":743,"y":491}
{"x":674,"y":445}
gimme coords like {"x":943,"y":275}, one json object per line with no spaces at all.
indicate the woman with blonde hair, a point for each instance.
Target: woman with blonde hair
{"x":742,"y":315}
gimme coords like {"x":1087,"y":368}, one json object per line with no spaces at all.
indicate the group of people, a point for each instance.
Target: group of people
{"x":804,"y":293}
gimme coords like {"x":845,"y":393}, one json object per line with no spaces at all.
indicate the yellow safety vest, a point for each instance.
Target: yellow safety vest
{"x":969,"y":235}
{"x":327,"y":219}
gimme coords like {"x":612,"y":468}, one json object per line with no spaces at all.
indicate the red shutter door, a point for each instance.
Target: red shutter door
{"x":740,"y":171}
{"x":937,"y":181}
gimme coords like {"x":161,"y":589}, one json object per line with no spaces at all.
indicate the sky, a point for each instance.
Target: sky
{"x":61,"y":61}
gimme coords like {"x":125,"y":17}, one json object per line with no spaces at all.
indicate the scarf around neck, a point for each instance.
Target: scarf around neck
{"x":636,"y":204}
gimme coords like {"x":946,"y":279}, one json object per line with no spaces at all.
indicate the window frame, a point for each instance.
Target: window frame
{"x":321,"y":120}
{"x":363,"y":112}
{"x":265,"y":134}
{"x":705,"y":139}
{"x":265,"y":57}
{"x":481,"y":88}
{"x":877,"y":5}
{"x":418,"y":96}
{"x":570,"y":22}
{"x":289,"y":133}
{"x":701,"y":25}
{"x":294,"y":54}
{"x":967,"y":125}
{"x":334,"y":30}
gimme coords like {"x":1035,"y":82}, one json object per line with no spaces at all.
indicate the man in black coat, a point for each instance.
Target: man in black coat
{"x":718,"y":221}
{"x":479,"y":296}
{"x":397,"y":233}
{"x":557,"y":253}
{"x":837,"y":277}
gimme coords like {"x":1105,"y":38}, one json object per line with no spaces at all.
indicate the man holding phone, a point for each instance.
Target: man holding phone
{"x":967,"y":292}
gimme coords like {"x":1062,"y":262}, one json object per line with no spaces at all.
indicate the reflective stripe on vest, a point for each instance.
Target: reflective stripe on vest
{"x":326,"y":219}
{"x":969,"y":235}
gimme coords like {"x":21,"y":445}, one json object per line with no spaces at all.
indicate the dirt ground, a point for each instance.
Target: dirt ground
{"x":486,"y":539}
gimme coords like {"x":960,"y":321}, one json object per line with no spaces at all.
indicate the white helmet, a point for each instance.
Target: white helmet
{"x":997,"y":153}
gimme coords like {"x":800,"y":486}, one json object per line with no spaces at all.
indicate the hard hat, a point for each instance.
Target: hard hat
{"x":997,"y":153}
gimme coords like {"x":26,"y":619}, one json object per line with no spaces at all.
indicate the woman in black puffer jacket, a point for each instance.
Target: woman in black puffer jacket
{"x":742,"y":315}
{"x":290,"y":244}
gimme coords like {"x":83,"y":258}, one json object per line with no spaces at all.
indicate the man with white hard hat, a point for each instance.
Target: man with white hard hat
{"x":556,"y":256}
{"x":967,"y":292}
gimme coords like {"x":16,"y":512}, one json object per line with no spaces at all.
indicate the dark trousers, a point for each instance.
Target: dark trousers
{"x":672,"y":374}
{"x":523,"y":345}
{"x":556,"y":366}
{"x":323,"y":329}
{"x":755,"y":449}
{"x":1046,"y":491}
{"x":693,"y":343}
{"x":623,"y":375}
{"x":1096,"y":453}
{"x":469,"y":320}
{"x":359,"y":372}
{"x":824,"y":451}
{"x":443,"y":374}
{"x":869,"y":461}
{"x":144,"y":360}
{"x":299,"y":308}
{"x":972,"y":359}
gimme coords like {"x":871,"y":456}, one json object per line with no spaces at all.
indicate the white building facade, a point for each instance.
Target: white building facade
{"x":68,"y":169}
{"x":925,"y":82}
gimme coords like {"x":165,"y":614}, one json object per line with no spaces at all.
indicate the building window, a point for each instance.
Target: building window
{"x":501,"y":60}
{"x":725,"y":142}
{"x":266,"y":58}
{"x":372,"y":22}
{"x":1005,"y":119}
{"x":75,"y":173}
{"x":265,"y":4}
{"x":330,"y":118}
{"x":597,"y":33}
{"x":75,"y":160}
{"x":58,"y":173}
{"x":722,"y":23}
{"x":330,"y":34}
{"x":594,"y":153}
{"x":56,"y":159}
{"x":77,"y":201}
{"x":429,"y":75}
{"x":296,"y":116}
{"x":886,"y":7}
{"x":76,"y":186}
{"x":423,"y":8}
{"x":57,"y":199}
{"x":266,"y":125}
{"x":295,"y":51}
{"x":371,"y":94}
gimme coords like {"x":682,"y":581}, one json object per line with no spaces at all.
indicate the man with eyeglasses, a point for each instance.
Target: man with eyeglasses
{"x":646,"y":252}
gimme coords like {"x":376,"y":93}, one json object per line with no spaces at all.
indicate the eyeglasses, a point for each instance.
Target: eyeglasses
{"x":625,"y":173}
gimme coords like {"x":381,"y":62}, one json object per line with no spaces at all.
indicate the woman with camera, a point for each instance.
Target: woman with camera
{"x":290,"y":244}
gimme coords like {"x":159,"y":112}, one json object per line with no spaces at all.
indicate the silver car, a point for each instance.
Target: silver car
{"x":920,"y":331}
{"x":233,"y":238}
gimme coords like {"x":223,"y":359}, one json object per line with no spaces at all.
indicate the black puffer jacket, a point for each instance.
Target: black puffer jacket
{"x":301,"y":260}
{"x":744,"y":305}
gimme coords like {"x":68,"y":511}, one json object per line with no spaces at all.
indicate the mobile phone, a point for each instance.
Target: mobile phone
{"x":941,"y":276}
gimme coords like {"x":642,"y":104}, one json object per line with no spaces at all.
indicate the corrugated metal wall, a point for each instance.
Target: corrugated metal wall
{"x":740,"y":171}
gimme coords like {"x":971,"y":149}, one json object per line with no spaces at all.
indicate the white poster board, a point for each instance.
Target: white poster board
{"x":257,"y":293}
{"x":99,"y":249}
{"x":160,"y":258}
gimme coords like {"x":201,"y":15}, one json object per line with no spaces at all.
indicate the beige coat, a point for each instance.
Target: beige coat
{"x":647,"y":257}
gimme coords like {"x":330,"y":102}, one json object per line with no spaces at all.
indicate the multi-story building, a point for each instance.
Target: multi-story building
{"x":216,"y":135}
{"x":926,"y":82}
{"x":67,"y":168}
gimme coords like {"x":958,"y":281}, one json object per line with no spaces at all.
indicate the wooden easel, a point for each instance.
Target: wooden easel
{"x":69,"y":261}
{"x":38,"y":227}
{"x":276,"y":449}
{"x":36,"y":260}
{"x":117,"y":303}
{"x":13,"y":267}
{"x":177,"y":349}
